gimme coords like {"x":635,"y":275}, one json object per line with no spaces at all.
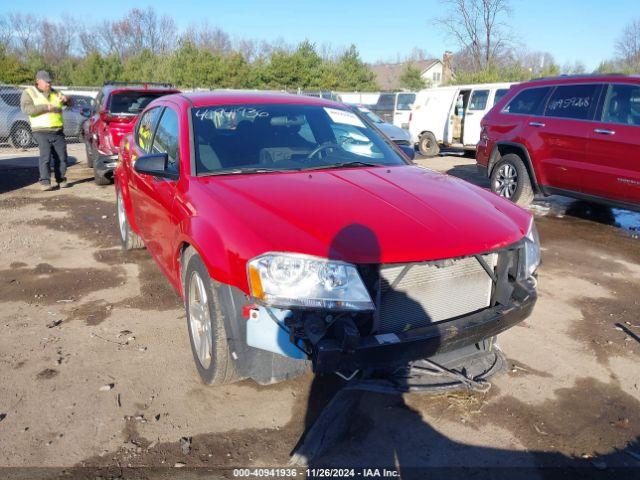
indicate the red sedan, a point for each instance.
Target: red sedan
{"x":295,"y":231}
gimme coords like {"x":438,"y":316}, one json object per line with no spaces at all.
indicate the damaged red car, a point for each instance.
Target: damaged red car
{"x":301,"y":237}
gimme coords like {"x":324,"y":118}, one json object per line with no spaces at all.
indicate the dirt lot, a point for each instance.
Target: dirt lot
{"x":95,"y":366}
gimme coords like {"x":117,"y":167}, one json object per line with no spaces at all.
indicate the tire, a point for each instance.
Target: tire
{"x":428,"y":145}
{"x":130,"y":240}
{"x":100,"y":179}
{"x":21,"y":136}
{"x":510,"y":179}
{"x":205,"y":323}
{"x":89,"y":153}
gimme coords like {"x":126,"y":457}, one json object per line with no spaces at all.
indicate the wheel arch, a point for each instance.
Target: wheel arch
{"x":504,"y":148}
{"x":120,"y":182}
{"x":213,"y":251}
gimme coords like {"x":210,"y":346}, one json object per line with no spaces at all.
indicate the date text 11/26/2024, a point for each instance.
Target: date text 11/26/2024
{"x":316,"y":472}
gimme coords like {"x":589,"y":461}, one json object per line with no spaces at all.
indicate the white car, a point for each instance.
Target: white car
{"x":450,"y":116}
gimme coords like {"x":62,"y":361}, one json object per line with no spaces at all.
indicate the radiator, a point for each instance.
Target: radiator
{"x":416,"y":295}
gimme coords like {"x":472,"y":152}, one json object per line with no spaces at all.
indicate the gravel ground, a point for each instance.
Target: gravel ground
{"x":96,"y":371}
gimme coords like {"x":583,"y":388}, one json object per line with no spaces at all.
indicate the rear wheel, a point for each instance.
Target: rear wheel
{"x":510,"y":179}
{"x":130,"y":239}
{"x":21,"y":136}
{"x":428,"y":145}
{"x":99,"y":178}
{"x":205,"y":322}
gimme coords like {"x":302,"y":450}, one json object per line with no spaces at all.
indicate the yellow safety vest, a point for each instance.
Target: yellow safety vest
{"x":49,"y":119}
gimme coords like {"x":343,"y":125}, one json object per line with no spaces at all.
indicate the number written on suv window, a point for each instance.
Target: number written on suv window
{"x":573,"y":101}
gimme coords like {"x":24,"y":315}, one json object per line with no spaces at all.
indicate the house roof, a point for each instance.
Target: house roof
{"x":388,"y":74}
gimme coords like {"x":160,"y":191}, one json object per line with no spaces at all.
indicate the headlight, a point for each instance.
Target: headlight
{"x":289,"y":280}
{"x":531,"y":252}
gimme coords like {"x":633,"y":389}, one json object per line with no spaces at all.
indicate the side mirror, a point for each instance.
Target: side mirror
{"x":408,"y":150}
{"x":154,"y":164}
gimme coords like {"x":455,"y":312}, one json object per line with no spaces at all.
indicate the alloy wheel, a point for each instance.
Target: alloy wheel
{"x":200,"y":320}
{"x":23,"y":137}
{"x":506,"y":181}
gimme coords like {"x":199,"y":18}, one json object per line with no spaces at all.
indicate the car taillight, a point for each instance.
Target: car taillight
{"x":105,"y":116}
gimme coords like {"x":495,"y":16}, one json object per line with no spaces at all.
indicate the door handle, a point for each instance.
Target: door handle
{"x":604,"y":131}
{"x":536,"y":124}
{"x":469,"y":113}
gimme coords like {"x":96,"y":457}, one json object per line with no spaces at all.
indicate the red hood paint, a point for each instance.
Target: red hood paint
{"x":361,"y":215}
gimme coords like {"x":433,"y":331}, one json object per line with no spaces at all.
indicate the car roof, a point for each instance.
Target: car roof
{"x":109,"y":89}
{"x":585,"y":78}
{"x":231,"y":97}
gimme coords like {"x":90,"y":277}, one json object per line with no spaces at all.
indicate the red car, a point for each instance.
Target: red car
{"x":575,"y":136}
{"x":113,"y":114}
{"x":295,"y":232}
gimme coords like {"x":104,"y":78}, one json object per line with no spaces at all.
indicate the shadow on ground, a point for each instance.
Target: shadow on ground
{"x":14,"y":177}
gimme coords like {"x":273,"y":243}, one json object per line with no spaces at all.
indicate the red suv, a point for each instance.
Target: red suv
{"x":296,"y":232}
{"x":114,"y":112}
{"x":576,"y":136}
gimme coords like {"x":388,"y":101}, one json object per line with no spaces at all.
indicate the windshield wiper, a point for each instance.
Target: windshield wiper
{"x":355,"y":163}
{"x":240,"y":171}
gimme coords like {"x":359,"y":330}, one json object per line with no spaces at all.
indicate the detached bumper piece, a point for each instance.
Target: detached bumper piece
{"x":391,"y":349}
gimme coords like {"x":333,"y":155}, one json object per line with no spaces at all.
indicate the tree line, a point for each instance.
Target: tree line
{"x":145,"y":46}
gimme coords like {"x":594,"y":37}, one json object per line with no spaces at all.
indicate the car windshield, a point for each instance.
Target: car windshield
{"x":131,"y":102}
{"x":370,"y":115}
{"x":237,"y":139}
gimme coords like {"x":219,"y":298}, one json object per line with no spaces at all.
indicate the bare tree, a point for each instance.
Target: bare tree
{"x":206,"y":37}
{"x":25,"y":30}
{"x":6,"y":33}
{"x":628,"y":46}
{"x":56,"y":40}
{"x":477,"y":28}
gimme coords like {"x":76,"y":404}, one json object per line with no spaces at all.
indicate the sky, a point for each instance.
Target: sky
{"x":571,"y":30}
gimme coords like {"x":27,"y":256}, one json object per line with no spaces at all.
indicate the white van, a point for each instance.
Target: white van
{"x":450,"y":116}
{"x":392,"y":107}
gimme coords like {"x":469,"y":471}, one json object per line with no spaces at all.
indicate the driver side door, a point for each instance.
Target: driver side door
{"x":157,"y":206}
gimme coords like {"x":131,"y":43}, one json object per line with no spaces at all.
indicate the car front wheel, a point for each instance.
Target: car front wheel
{"x":205,"y":322}
{"x":510,"y":179}
{"x":21,"y":136}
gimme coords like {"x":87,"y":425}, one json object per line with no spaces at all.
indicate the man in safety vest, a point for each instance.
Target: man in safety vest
{"x":43,"y":104}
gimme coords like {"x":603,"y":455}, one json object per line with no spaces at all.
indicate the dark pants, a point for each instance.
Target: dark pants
{"x":51,"y":144}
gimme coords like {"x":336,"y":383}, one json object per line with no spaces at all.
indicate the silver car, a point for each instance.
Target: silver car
{"x":14,"y":125}
{"x":395,"y":134}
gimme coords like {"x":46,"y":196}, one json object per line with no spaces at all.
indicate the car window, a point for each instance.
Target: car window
{"x":573,"y":101}
{"x":622,"y":105}
{"x":284,"y":137}
{"x":131,"y":103}
{"x":146,"y":126}
{"x":527,"y":102}
{"x":479,"y":100}
{"x":166,"y":139}
{"x":386,"y":101}
{"x":11,"y":98}
{"x":405,"y":101}
{"x":501,"y":92}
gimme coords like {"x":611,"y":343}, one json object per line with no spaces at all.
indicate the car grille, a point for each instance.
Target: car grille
{"x":416,"y":295}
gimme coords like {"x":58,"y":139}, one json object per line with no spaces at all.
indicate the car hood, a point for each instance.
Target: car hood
{"x":360,"y":215}
{"x":393,"y":132}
